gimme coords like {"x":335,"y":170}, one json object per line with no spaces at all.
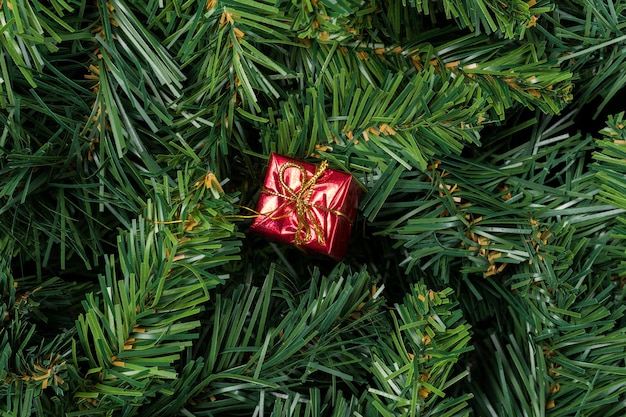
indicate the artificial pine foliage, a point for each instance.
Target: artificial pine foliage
{"x":485,"y":275}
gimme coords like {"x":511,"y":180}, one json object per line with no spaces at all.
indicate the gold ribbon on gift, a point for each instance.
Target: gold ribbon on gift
{"x":301,"y":201}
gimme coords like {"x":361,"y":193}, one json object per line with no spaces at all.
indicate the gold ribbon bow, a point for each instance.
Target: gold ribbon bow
{"x":301,"y":200}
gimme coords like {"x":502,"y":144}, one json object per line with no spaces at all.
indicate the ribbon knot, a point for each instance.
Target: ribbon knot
{"x":300,"y":200}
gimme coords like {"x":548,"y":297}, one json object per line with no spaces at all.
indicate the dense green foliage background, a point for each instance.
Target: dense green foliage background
{"x":485,"y":275}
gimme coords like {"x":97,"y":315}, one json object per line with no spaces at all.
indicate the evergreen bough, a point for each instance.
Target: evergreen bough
{"x":484,"y":277}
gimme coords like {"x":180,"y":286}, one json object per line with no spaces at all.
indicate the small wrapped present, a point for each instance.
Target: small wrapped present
{"x":310,"y":206}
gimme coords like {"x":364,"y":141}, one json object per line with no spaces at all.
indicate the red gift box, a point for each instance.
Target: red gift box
{"x":310,"y":206}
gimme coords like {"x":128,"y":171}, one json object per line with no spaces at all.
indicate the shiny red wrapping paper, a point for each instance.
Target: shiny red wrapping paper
{"x":308,"y":205}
